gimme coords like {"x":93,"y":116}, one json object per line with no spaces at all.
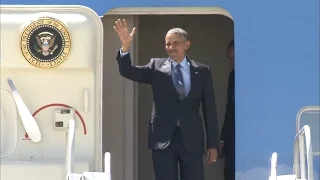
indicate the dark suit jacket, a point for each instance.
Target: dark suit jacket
{"x":167,"y":106}
{"x":228,"y":130}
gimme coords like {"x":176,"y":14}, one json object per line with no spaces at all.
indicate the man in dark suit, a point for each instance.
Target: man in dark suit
{"x":179,"y":85}
{"x":227,"y":139}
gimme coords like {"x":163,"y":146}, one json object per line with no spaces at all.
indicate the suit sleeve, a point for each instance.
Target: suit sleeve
{"x":227,"y":125}
{"x":141,"y":74}
{"x":209,"y":112}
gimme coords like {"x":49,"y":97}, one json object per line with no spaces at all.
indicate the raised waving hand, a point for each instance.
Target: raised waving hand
{"x":124,"y":34}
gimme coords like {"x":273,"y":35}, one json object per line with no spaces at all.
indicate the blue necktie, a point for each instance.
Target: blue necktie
{"x":178,"y":81}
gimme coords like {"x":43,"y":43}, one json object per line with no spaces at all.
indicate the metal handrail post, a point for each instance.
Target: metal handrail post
{"x":303,"y":137}
{"x":273,"y":173}
{"x":70,"y":148}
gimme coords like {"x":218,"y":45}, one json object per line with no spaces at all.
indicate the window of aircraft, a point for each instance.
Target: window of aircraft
{"x":311,"y":117}
{"x":2,"y":126}
{"x":8,"y":124}
{"x":0,"y":49}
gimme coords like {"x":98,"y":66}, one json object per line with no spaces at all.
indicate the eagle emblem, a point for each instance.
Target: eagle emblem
{"x":45,"y":43}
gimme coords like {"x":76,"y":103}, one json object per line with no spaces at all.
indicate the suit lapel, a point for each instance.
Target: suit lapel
{"x":166,"y":67}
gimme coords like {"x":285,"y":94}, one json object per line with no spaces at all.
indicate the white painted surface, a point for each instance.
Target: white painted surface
{"x":39,"y":87}
{"x":29,"y":123}
{"x":9,"y":124}
{"x":3,"y":128}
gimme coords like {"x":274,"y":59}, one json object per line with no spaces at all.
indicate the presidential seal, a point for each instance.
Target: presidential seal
{"x":45,"y":43}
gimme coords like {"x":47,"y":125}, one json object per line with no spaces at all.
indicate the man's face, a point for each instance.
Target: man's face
{"x":176,"y":46}
{"x":230,"y":53}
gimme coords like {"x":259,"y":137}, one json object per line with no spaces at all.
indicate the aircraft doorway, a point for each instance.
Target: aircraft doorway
{"x":209,"y":36}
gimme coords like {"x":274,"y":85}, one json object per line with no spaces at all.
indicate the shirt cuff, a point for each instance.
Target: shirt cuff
{"x":123,"y":54}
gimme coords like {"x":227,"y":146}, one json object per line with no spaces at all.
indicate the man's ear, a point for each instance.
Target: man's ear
{"x":188,"y":44}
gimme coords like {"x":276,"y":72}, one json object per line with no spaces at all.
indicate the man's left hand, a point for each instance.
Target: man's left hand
{"x":212,"y":155}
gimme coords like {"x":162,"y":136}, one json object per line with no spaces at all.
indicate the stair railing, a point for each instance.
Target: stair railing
{"x":303,"y":146}
{"x":70,"y":148}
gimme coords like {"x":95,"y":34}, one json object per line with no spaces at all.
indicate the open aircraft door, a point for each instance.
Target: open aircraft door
{"x":306,"y":147}
{"x":51,"y":72}
{"x":310,"y":116}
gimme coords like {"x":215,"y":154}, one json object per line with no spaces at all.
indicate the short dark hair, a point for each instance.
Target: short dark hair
{"x":231,"y":44}
{"x":180,"y":32}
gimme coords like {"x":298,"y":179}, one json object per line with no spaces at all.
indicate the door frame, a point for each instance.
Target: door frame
{"x":131,"y":89}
